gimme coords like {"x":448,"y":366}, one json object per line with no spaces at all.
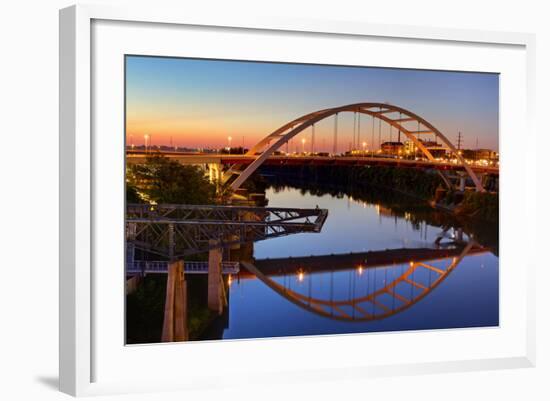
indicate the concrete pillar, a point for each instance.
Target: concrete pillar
{"x":211,"y":176}
{"x":215,"y":290}
{"x":214,"y":172}
{"x":175,"y":326}
{"x":462,"y":185}
{"x":132,"y":284}
{"x":181,"y":329}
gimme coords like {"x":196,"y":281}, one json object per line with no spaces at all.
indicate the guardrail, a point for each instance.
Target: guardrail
{"x":190,"y":267}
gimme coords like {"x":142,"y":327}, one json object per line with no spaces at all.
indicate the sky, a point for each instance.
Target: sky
{"x":201,"y":103}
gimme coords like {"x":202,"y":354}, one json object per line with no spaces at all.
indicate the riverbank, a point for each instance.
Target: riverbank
{"x":418,"y":184}
{"x":392,"y":202}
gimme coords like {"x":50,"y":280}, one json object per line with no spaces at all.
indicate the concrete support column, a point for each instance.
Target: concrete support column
{"x":462,"y":184}
{"x":214,"y":172}
{"x":215,"y":290}
{"x":175,"y":326}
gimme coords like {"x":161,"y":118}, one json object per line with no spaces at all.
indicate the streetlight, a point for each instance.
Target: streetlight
{"x":146,"y":138}
{"x":229,"y":141}
{"x":364,"y":147}
{"x":304,"y":145}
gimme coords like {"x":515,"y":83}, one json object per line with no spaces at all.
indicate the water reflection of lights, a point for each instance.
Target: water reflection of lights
{"x":300,"y":275}
{"x":393,"y":276}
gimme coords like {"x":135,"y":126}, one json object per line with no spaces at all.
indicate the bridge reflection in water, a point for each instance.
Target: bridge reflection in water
{"x":414,"y":281}
{"x":372,"y":290}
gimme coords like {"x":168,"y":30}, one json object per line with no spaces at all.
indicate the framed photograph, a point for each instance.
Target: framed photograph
{"x":343,"y":195}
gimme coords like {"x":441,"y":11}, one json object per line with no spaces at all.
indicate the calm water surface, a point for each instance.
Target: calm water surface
{"x":467,"y":297}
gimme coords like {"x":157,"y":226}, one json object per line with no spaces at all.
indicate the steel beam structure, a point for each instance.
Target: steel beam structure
{"x":175,"y":231}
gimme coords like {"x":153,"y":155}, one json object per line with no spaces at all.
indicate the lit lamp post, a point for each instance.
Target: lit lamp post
{"x":229,"y":142}
{"x":364,"y":147}
{"x":146,"y":139}
{"x":304,"y":146}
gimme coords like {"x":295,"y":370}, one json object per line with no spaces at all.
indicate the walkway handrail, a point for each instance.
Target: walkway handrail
{"x":190,"y":267}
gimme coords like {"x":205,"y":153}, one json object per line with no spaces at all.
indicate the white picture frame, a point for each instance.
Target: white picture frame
{"x":79,"y":346}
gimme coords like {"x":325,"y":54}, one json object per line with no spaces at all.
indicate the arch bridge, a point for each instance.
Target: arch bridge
{"x":404,"y":121}
{"x":393,"y":297}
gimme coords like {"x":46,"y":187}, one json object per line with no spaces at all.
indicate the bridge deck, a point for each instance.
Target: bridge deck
{"x":319,"y":263}
{"x":185,"y":158}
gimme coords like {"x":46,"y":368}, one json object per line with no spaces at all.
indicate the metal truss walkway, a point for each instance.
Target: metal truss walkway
{"x":175,"y":231}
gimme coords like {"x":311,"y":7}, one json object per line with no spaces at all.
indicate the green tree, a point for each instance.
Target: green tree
{"x":132,"y":194}
{"x":166,"y":181}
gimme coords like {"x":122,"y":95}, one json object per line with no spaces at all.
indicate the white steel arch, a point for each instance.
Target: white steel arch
{"x":395,"y":116}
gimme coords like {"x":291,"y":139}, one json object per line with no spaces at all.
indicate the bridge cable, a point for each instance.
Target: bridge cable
{"x":349,"y":286}
{"x":353,"y":297}
{"x":331,"y":292}
{"x":359,"y":130}
{"x":309,"y":287}
{"x":372,"y":137}
{"x":380,"y":131}
{"x":417,"y":136}
{"x":335,"y":145}
{"x":385,"y":277}
{"x":373,"y":291}
{"x":393,"y":288}
{"x":354,"y":130}
{"x":402,"y":271}
{"x":312,"y":138}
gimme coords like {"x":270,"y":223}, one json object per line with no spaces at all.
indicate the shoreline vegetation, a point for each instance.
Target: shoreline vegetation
{"x":161,"y":180}
{"x":418,"y":184}
{"x":402,"y":191}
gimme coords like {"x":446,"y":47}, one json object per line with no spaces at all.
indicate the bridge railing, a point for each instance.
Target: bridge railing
{"x":190,"y":267}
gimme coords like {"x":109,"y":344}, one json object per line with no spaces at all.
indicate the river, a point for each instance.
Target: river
{"x":466,"y":297}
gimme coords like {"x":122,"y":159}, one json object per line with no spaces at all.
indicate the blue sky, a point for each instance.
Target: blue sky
{"x":202,"y":102}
